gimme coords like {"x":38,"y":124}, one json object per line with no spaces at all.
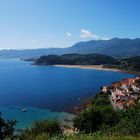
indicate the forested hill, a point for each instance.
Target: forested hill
{"x":75,"y":59}
{"x":131,"y":65}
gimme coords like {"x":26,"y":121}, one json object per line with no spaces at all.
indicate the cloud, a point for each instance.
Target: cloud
{"x":88,"y":34}
{"x":34,"y":41}
{"x":69,"y":34}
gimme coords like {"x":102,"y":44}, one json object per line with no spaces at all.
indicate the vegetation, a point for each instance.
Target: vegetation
{"x":7,"y":129}
{"x":76,"y":59}
{"x":98,"y":137}
{"x":44,"y":129}
{"x":83,"y":137}
{"x":131,"y":65}
{"x":101,"y":117}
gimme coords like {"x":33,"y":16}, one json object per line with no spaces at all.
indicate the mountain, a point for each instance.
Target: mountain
{"x":114,"y":47}
{"x":75,"y":59}
{"x":27,"y":53}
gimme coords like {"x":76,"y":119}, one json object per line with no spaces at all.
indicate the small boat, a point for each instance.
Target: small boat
{"x":79,"y":99}
{"x":24,"y":110}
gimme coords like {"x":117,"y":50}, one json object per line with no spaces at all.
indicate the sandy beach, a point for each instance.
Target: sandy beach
{"x":97,"y":67}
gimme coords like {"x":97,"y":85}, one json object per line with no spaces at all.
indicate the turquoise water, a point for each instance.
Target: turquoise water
{"x":26,"y":119}
{"x":46,"y":89}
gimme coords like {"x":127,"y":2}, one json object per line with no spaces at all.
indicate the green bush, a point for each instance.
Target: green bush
{"x":7,"y":129}
{"x":102,"y":117}
{"x":100,"y":113}
{"x":41,"y":129}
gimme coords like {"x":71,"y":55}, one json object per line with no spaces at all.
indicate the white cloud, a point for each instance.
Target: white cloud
{"x":69,"y":34}
{"x":34,"y":41}
{"x":88,"y":34}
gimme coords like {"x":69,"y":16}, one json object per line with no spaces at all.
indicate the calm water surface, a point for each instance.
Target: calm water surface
{"x":47,"y":88}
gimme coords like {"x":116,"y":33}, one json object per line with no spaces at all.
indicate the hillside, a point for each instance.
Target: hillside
{"x":114,"y":47}
{"x":75,"y":59}
{"x":131,"y":65}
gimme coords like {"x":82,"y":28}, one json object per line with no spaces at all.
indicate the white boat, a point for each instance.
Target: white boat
{"x":24,"y":110}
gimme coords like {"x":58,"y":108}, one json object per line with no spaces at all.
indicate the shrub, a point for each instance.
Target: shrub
{"x":45,"y":128}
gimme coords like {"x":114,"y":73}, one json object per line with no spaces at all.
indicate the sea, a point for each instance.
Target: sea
{"x":47,"y":92}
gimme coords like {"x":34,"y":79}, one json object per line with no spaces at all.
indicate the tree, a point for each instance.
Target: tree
{"x":39,"y":128}
{"x":7,"y":128}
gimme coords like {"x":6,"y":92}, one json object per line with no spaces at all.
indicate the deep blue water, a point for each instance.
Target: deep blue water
{"x":48,"y":87}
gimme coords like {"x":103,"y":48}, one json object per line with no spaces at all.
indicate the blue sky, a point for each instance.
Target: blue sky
{"x":61,"y":23}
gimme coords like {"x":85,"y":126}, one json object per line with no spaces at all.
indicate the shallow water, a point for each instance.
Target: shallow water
{"x":26,"y":119}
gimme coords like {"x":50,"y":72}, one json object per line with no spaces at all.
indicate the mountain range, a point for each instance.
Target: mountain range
{"x":114,"y":47}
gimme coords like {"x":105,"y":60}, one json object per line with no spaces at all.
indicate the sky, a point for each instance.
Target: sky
{"x":26,"y":24}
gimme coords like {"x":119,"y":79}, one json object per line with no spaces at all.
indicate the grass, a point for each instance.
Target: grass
{"x":92,"y":137}
{"x":83,"y":137}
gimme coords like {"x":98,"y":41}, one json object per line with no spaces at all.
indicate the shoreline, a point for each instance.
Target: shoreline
{"x":63,"y":117}
{"x":96,"y":67}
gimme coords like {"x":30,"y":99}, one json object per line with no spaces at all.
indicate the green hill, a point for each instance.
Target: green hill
{"x":131,"y":65}
{"x":75,"y":59}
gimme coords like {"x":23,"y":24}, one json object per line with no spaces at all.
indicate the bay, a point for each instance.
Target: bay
{"x":47,"y":90}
